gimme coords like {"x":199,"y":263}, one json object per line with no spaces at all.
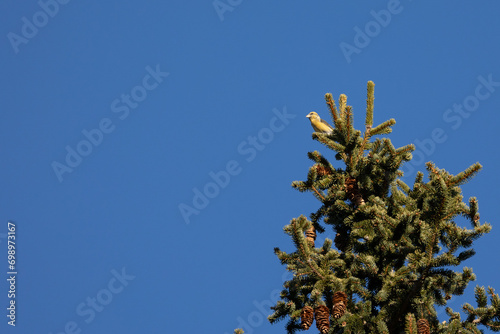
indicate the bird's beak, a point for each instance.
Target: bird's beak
{"x":308,"y":116}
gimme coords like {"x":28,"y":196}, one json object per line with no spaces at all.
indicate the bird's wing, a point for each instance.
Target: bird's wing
{"x":326,"y":123}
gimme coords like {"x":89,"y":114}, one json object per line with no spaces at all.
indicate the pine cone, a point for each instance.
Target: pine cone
{"x":322,"y":316}
{"x":340,"y":242}
{"x":306,"y":317}
{"x":322,"y":170}
{"x":311,"y":235}
{"x":339,"y":296}
{"x":352,"y":191}
{"x":358,"y":199}
{"x":423,"y":326}
{"x":338,"y":310}
{"x":339,"y":301}
{"x":351,"y":186}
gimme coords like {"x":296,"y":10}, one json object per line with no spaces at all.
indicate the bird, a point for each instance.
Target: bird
{"x":318,"y":124}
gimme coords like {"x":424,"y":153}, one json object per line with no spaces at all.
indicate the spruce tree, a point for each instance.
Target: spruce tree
{"x":396,"y":247}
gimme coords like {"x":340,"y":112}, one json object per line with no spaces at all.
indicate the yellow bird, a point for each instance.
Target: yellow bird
{"x":318,"y":124}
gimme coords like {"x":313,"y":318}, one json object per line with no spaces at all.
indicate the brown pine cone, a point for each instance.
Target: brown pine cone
{"x":339,"y":301}
{"x":322,"y":315}
{"x":423,"y":326}
{"x":338,"y":310}
{"x":339,"y":296}
{"x":340,"y":242}
{"x":352,"y":191}
{"x":322,"y":170}
{"x":311,"y":235}
{"x":306,"y":317}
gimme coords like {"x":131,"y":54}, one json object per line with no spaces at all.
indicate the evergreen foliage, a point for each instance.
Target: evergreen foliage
{"x":395,"y":247}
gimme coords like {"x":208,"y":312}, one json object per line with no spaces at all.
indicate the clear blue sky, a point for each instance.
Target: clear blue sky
{"x":115,"y":113}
